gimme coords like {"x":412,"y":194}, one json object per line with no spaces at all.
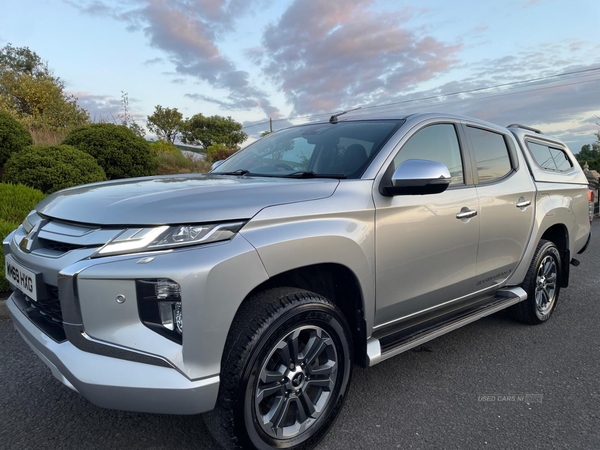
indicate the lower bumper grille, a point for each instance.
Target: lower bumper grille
{"x":45,"y":314}
{"x":49,"y":308}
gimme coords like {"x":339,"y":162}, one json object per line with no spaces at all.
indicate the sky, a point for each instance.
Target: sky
{"x":535,"y":62}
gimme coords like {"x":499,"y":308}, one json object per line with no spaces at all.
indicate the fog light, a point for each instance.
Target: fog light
{"x":160,"y":308}
{"x":171,"y":315}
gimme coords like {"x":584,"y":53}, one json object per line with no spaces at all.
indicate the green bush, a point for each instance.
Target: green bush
{"x":13,"y":136}
{"x":218,"y":152}
{"x":51,"y":168}
{"x":15,"y":204}
{"x":117,"y":149}
{"x":161,"y":146}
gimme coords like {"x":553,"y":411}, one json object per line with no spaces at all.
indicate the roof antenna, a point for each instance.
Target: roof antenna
{"x":334,"y":118}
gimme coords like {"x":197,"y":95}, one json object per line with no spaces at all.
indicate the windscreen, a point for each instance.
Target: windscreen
{"x":340,"y":150}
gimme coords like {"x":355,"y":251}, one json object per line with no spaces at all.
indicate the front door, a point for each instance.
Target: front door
{"x":425,"y":255}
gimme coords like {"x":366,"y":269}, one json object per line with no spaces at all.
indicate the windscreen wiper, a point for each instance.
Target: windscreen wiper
{"x":310,"y":174}
{"x":239,"y":172}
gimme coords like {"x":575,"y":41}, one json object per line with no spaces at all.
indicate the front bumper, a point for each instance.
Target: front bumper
{"x":117,"y":383}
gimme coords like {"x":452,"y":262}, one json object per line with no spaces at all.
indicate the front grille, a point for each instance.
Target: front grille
{"x":48,"y":308}
{"x":62,"y":247}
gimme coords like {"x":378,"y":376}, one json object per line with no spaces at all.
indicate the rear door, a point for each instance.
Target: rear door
{"x":506,"y":195}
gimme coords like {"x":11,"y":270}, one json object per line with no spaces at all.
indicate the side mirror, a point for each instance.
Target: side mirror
{"x":418,"y":177}
{"x":216,"y":164}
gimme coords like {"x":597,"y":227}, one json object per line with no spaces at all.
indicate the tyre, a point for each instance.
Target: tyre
{"x":542,"y":284}
{"x":285,"y":372}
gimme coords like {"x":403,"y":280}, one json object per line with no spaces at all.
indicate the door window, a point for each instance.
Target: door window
{"x":435,"y":143}
{"x":491,"y":153}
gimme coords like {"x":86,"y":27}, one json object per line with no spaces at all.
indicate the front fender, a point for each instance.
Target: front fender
{"x":336,"y":230}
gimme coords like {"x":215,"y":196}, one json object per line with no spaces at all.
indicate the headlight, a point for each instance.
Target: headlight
{"x":135,"y":240}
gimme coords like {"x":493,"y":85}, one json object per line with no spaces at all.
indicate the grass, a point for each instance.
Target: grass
{"x":176,"y":163}
{"x":43,"y":136}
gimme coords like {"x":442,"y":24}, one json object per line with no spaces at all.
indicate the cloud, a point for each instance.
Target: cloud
{"x":106,"y":108}
{"x":188,"y":31}
{"x":562,"y":105}
{"x":330,"y":55}
{"x":102,"y":108}
{"x":150,"y":62}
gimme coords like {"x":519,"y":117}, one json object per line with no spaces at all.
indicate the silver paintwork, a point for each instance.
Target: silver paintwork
{"x":418,"y":253}
{"x":176,"y":199}
{"x":118,"y":384}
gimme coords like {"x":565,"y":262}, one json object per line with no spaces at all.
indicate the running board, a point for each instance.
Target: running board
{"x":503,"y":299}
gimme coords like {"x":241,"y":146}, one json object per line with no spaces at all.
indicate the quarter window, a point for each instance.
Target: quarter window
{"x":435,"y":143}
{"x":491,"y":154}
{"x":549,"y":158}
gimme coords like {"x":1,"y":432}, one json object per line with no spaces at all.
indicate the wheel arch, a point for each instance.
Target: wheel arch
{"x":335,"y":282}
{"x":559,"y":235}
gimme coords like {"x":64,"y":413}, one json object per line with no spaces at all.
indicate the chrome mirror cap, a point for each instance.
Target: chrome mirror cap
{"x":419,"y":177}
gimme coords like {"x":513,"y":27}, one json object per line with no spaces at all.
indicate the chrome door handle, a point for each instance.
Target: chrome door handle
{"x":522,"y":203}
{"x":466,"y":213}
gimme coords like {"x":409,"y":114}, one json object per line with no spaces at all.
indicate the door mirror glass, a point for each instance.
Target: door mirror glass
{"x":419,"y":177}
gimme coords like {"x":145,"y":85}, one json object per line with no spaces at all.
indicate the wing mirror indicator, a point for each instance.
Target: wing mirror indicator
{"x":418,"y":177}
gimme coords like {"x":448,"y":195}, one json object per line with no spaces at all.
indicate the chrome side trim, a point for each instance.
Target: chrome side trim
{"x":77,"y":336}
{"x":513,"y":296}
{"x":67,"y":293}
{"x":473,"y":294}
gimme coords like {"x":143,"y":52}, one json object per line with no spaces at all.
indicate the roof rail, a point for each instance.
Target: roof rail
{"x":517,"y":125}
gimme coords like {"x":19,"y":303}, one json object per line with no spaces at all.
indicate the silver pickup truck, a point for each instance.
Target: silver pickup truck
{"x":250,"y":292}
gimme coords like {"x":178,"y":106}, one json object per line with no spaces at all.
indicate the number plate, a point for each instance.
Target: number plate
{"x":24,"y":279}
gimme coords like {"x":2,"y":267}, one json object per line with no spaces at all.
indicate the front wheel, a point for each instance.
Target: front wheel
{"x":542,"y":284}
{"x":285,"y":374}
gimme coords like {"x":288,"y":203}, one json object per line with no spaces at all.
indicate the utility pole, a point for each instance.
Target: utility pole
{"x":270,"y":124}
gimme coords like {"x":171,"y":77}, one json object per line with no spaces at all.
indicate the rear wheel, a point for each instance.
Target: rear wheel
{"x":285,"y":373}
{"x":542,"y":284}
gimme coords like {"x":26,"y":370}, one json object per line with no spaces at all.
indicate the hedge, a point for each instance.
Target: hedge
{"x":117,"y":149}
{"x":51,"y":168}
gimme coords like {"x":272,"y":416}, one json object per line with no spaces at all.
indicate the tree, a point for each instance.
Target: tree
{"x":22,"y":60}
{"x":166,"y":123}
{"x":590,"y":154}
{"x":30,"y":91}
{"x":207,"y":131}
{"x":13,"y":136}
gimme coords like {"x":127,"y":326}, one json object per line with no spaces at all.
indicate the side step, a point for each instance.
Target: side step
{"x":503,"y":299}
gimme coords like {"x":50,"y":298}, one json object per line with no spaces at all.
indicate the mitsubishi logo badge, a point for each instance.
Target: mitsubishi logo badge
{"x":27,"y":242}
